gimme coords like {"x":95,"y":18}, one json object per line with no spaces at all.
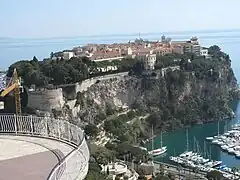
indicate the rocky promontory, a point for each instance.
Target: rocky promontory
{"x":181,"y":92}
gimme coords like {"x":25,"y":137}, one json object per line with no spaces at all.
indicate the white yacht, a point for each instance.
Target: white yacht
{"x":224,"y":147}
{"x":220,"y":142}
{"x":237,"y":154}
{"x":216,"y":141}
{"x":231,"y":150}
{"x":209,"y":138}
{"x":158,"y":151}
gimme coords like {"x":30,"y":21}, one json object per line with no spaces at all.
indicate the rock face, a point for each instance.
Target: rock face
{"x":183,"y":95}
{"x":154,"y":94}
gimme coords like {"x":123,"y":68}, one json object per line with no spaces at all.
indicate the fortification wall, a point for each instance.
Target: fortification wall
{"x":46,"y":100}
{"x":84,"y":85}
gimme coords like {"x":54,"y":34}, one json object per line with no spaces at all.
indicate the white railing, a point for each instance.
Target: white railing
{"x":75,"y":164}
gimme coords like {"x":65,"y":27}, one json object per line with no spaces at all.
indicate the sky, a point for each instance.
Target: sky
{"x":64,"y":18}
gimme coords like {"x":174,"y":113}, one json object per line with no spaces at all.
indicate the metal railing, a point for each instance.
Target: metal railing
{"x":75,"y":164}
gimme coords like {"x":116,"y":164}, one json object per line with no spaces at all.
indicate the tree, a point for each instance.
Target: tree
{"x":171,"y":176}
{"x":234,"y":170}
{"x":91,"y":130}
{"x":35,"y":59}
{"x":109,"y":109}
{"x":213,"y":49}
{"x":154,"y":119}
{"x":51,"y":55}
{"x":161,"y":169}
{"x":138,"y":68}
{"x":95,"y":176}
{"x":214,"y":175}
{"x":161,"y":177}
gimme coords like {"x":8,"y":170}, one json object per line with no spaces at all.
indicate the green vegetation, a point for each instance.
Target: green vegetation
{"x":91,"y":130}
{"x":198,"y":92}
{"x":94,"y":172}
{"x":126,"y":132}
{"x":62,"y":71}
{"x":215,"y":175}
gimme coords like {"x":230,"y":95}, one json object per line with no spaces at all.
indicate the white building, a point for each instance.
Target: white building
{"x":108,"y":68}
{"x":149,"y":60}
{"x":119,"y":170}
{"x":68,"y":55}
{"x":204,"y":51}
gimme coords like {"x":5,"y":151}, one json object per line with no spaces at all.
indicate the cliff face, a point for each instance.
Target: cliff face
{"x":190,"y":92}
{"x":181,"y":95}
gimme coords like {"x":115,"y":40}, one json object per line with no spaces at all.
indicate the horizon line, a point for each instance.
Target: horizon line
{"x":210,"y":31}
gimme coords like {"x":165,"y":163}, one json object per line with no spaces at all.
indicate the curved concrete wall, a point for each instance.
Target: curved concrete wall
{"x":76,"y":162}
{"x":46,"y":100}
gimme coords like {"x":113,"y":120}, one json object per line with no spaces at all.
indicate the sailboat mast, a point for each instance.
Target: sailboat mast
{"x":194,"y":144}
{"x":161,"y":139}
{"x":187,"y":140}
{"x":218,"y":128}
{"x":152,"y":139}
{"x":210,"y":152}
{"x":204,"y":149}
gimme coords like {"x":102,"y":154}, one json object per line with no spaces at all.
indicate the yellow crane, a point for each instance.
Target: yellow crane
{"x":14,"y":85}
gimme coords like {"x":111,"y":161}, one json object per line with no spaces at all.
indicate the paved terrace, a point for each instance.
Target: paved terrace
{"x":38,"y":148}
{"x":28,"y":158}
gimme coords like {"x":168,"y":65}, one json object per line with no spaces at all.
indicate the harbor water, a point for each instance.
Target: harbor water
{"x":176,"y":141}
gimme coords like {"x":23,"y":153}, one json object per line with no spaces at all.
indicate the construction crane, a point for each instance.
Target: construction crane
{"x":14,"y":85}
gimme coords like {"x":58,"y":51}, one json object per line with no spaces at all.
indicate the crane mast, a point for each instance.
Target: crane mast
{"x":14,"y":85}
{"x":17,"y":82}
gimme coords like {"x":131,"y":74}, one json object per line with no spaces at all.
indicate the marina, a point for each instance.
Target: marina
{"x":198,"y":145}
{"x":195,"y":161}
{"x":201,"y":161}
{"x":229,"y":141}
{"x":198,"y":161}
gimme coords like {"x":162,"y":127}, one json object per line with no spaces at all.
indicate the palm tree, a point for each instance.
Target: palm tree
{"x":161,"y":169}
{"x":234,"y":170}
{"x":195,"y":170}
{"x":180,"y":170}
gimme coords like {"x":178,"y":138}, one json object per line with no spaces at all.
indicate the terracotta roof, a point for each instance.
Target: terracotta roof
{"x":105,"y":54}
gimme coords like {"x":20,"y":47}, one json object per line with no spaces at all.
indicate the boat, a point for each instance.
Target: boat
{"x":224,"y":147}
{"x":231,"y":150}
{"x":209,"y":138}
{"x":215,"y":141}
{"x":159,"y":151}
{"x":237,"y":154}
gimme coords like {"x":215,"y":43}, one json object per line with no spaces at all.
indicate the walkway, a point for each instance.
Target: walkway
{"x":28,"y":158}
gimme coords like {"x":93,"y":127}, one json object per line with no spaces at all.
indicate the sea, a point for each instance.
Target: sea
{"x":14,"y":49}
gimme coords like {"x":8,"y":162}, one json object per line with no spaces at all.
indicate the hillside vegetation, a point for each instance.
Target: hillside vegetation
{"x":198,"y":92}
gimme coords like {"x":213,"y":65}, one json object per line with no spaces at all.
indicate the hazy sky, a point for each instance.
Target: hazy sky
{"x":55,"y":18}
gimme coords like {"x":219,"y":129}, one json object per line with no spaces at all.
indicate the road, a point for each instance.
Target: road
{"x":183,"y":174}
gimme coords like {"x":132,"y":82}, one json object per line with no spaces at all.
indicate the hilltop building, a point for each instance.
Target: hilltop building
{"x":68,"y":55}
{"x":148,"y":59}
